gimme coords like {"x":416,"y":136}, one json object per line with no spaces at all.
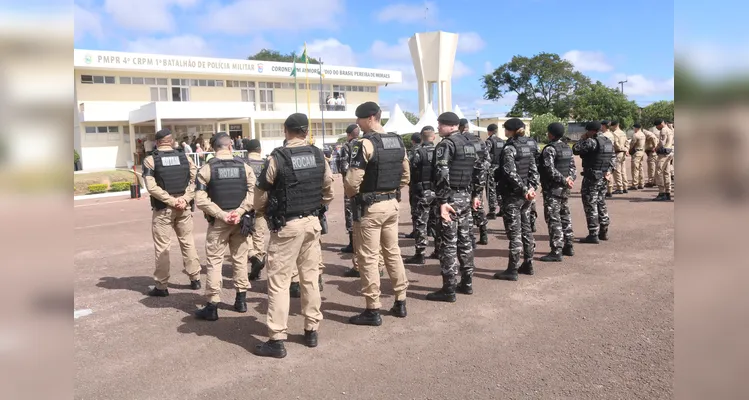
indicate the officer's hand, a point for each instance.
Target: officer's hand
{"x":445,"y":211}
{"x":476,"y":203}
{"x":570,"y":182}
{"x":231,"y":218}
{"x":530,"y":195}
{"x":181,"y":204}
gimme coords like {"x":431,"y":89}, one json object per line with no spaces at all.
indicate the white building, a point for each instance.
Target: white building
{"x":124,"y":98}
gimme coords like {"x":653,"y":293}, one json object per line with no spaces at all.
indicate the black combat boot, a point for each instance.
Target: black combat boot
{"x":350,"y":247}
{"x":310,"y":338}
{"x":158,"y":292}
{"x":609,"y":195}
{"x":617,"y":191}
{"x":649,"y":185}
{"x":195,"y":285}
{"x":399,"y":309}
{"x":483,"y":237}
{"x":240,"y":302}
{"x":553,"y":256}
{"x":271,"y":348}
{"x":510,"y":274}
{"x":411,"y":235}
{"x":568,"y":250}
{"x":466,"y":284}
{"x":591,"y":238}
{"x":491,"y":215}
{"x":369,"y":317}
{"x":319,"y":281}
{"x":208,"y":313}
{"x":603,"y":233}
{"x":640,"y":187}
{"x":351,"y":273}
{"x":434,"y":255}
{"x":632,"y":188}
{"x":667,"y":197}
{"x":660,"y":197}
{"x":294,"y":290}
{"x":526,"y":268}
{"x":417,"y":258}
{"x":256,"y":265}
{"x":446,"y":294}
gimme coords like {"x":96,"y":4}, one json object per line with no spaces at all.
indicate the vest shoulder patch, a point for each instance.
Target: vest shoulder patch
{"x":389,"y":143}
{"x":303,"y":161}
{"x":228,"y":173}
{"x":469,"y":150}
{"x":170,"y":161}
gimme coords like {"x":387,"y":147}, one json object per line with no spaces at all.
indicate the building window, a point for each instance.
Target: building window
{"x":205,"y":82}
{"x":98,"y":79}
{"x":159,"y":93}
{"x":266,"y":96}
{"x":316,"y":129}
{"x":240,"y":84}
{"x":102,"y":133}
{"x":339,"y":128}
{"x":126,"y":134}
{"x":268,"y":131}
{"x":248,"y":95}
{"x":124,"y":80}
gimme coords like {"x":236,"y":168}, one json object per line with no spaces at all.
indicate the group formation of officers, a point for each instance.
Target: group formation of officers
{"x":285,"y":197}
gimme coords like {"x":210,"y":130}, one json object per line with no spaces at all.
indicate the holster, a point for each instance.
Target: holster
{"x":323,"y":219}
{"x":247,"y":223}
{"x":360,"y":203}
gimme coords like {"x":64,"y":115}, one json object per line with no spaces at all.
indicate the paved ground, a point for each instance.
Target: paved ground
{"x":598,"y":325}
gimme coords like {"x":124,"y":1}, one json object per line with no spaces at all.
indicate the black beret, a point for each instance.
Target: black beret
{"x":416,"y":138}
{"x":605,"y":122}
{"x":163,"y":133}
{"x":366,"y":110}
{"x":614,"y":122}
{"x":593,"y":126}
{"x":448,"y":118}
{"x":253,"y":144}
{"x":637,"y":126}
{"x":427,"y":128}
{"x":492,"y":127}
{"x":463,"y":122}
{"x":658,"y":121}
{"x":513,"y":124}
{"x":297,"y":121}
{"x":351,"y":128}
{"x":556,"y":129}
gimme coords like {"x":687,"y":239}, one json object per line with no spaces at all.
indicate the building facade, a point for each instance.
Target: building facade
{"x":122,"y":99}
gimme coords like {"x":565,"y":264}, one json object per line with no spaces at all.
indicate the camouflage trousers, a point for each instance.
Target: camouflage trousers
{"x":413,"y":200}
{"x":533,"y":215}
{"x":348,"y":215}
{"x":457,"y":251}
{"x":559,"y":220}
{"x":593,"y":193}
{"x":434,"y":226}
{"x":424,"y":203}
{"x":492,"y":197}
{"x":517,"y":221}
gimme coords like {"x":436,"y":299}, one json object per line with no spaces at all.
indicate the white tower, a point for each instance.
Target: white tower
{"x":433,"y":55}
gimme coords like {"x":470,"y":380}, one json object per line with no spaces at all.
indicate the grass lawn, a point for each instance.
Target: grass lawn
{"x":82,"y":180}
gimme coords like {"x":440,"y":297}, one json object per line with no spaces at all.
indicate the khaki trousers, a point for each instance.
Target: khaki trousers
{"x":221,"y":235}
{"x":620,"y":172}
{"x":380,"y":264}
{"x":637,"y":176}
{"x":257,"y":240}
{"x":375,"y":232}
{"x":663,"y":173}
{"x":652,"y":157}
{"x":296,"y":247}
{"x":610,"y":183}
{"x":320,"y":265}
{"x":163,"y":222}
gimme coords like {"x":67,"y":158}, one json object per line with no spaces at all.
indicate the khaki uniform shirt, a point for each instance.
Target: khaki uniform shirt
{"x":162,"y":195}
{"x":205,"y":204}
{"x":638,"y":140}
{"x":667,"y":138}
{"x":651,"y":140}
{"x":620,"y":142}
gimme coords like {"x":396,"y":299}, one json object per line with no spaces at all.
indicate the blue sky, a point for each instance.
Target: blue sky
{"x":606,"y":40}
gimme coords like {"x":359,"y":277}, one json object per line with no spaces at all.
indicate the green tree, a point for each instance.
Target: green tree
{"x":598,"y":101}
{"x":342,"y":139}
{"x":539,"y":123}
{"x":273,"y":55}
{"x":407,"y":141}
{"x":544,"y":83}
{"x":412,"y":118}
{"x":384,"y":121}
{"x":660,"y":109}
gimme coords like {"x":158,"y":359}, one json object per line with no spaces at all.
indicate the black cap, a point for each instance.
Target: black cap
{"x":658,"y":121}
{"x":513,"y":124}
{"x":351,"y":128}
{"x":416,"y":138}
{"x":163,"y":133}
{"x":556,"y":129}
{"x":448,"y":118}
{"x":297,"y":121}
{"x":614,"y":122}
{"x":492,"y":128}
{"x":366,"y":110}
{"x":605,"y":122}
{"x":253,"y":144}
{"x":463,"y":122}
{"x":593,"y":126}
{"x":427,"y":128}
{"x":637,"y":126}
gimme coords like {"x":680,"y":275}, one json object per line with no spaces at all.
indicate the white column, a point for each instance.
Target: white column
{"x":217,"y":127}
{"x":157,"y":123}
{"x":252,"y":128}
{"x":131,"y":129}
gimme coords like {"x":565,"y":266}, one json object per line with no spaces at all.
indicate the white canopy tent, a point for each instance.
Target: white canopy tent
{"x":398,"y":123}
{"x":429,"y":118}
{"x":471,"y":126}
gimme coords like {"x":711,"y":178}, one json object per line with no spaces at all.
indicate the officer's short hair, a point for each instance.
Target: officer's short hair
{"x":416,"y":138}
{"x":222,"y":142}
{"x":658,"y":121}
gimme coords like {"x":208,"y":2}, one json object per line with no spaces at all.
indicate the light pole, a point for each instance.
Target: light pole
{"x":622,"y":83}
{"x":478,"y":117}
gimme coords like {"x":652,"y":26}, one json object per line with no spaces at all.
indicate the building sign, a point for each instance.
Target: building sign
{"x":235,"y":127}
{"x":151,"y":62}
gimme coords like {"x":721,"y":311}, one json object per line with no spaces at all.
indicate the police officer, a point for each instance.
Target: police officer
{"x":517,"y":178}
{"x":620,"y":148}
{"x":455,"y":175}
{"x":257,"y":239}
{"x":651,"y":142}
{"x":422,"y":191}
{"x":224,"y":193}
{"x":605,"y":130}
{"x":557,"y":171}
{"x":170,"y":180}
{"x":665,"y":156}
{"x":352,"y":133}
{"x":293,"y":187}
{"x":494,"y":145}
{"x":637,"y":151}
{"x":533,"y":214}
{"x":597,"y":153}
{"x":483,"y":165}
{"x":379,"y":167}
{"x":413,"y":194}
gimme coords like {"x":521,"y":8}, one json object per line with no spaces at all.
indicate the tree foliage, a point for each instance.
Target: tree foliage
{"x":597,"y":102}
{"x":412,"y":118}
{"x":544,"y":83}
{"x":276,"y":56}
{"x":660,"y":109}
{"x":539,"y":123}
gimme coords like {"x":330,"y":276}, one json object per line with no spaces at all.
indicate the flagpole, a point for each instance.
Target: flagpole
{"x":296,"y":87}
{"x":306,"y":74}
{"x":322,"y":109}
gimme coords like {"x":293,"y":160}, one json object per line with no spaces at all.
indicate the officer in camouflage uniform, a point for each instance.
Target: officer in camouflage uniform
{"x":413,"y":193}
{"x":455,"y":176}
{"x":533,"y":215}
{"x":344,"y":161}
{"x":422,"y":190}
{"x":605,"y":131}
{"x":482,"y":164}
{"x":557,"y":171}
{"x":597,"y":153}
{"x":257,"y":239}
{"x":517,"y":177}
{"x":494,"y":145}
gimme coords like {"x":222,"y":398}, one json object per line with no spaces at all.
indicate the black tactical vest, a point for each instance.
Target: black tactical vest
{"x":523,"y":155}
{"x":385,"y":169}
{"x":172,"y":173}
{"x":497,"y":145}
{"x":478,"y":144}
{"x":298,"y":184}
{"x":561,"y":160}
{"x":422,"y":175}
{"x":256,"y":165}
{"x":464,"y":159}
{"x":228,"y":185}
{"x":599,"y":161}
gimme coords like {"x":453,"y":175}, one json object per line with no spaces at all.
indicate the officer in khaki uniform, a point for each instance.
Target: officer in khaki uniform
{"x":637,"y":151}
{"x":665,"y":154}
{"x":651,"y":142}
{"x":379,"y":167}
{"x":170,"y":180}
{"x":607,"y":133}
{"x":620,"y":147}
{"x":257,"y":239}
{"x":224,"y":193}
{"x":292,"y":189}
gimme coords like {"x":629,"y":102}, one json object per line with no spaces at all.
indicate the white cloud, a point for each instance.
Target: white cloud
{"x":408,"y":73}
{"x":397,"y":52}
{"x":488,"y":67}
{"x":640,"y":86}
{"x":185,"y":45}
{"x":331,"y":51}
{"x":408,"y":13}
{"x":146,"y":15}
{"x":460,"y":70}
{"x":470,"y":42}
{"x":588,"y":61}
{"x":86,"y":23}
{"x":250,"y":16}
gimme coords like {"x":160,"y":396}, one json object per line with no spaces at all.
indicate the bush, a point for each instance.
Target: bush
{"x":407,"y":141}
{"x":76,"y":157}
{"x":98,"y":188}
{"x":539,"y":125}
{"x":119,"y":186}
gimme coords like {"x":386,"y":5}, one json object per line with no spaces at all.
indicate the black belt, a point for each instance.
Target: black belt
{"x":299,"y":216}
{"x":384,"y":197}
{"x":639,"y":149}
{"x":459,"y":189}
